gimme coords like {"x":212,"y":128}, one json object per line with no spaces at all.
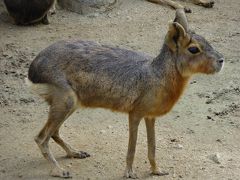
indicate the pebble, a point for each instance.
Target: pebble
{"x":5,"y":54}
{"x":20,"y":176}
{"x":179,"y":146}
{"x":69,"y":165}
{"x":102,"y":131}
{"x":215,"y":158}
{"x":109,"y":127}
{"x":208,"y":102}
{"x":173,"y":140}
{"x":209,"y":117}
{"x":129,"y":18}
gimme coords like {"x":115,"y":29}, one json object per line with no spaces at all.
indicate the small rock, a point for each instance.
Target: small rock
{"x":210,"y":118}
{"x":178,"y":146}
{"x":209,"y":109}
{"x":109,"y":16}
{"x":10,"y":56}
{"x":173,"y":140}
{"x":69,"y":165}
{"x":215,"y":158}
{"x":109,"y":127}
{"x":208,"y":102}
{"x":5,"y":54}
{"x":20,"y":176}
{"x":102,"y":131}
{"x":129,"y":18}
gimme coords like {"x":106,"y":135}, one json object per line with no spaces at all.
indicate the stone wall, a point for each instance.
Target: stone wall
{"x":87,"y":6}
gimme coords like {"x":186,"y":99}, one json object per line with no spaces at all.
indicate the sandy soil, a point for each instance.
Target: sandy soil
{"x":204,"y":123}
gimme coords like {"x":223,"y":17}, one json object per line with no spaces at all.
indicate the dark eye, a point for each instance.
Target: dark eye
{"x":193,"y":50}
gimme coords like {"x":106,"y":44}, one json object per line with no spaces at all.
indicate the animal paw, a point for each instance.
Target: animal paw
{"x":158,"y":172}
{"x":129,"y":173}
{"x":59,"y":172}
{"x":208,"y":4}
{"x":52,"y":12}
{"x":80,"y":155}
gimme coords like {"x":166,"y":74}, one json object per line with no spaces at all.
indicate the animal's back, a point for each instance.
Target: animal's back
{"x":94,"y":72}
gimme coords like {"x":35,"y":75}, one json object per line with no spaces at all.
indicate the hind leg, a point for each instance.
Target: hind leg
{"x":172,"y":4}
{"x":45,"y":20}
{"x":63,"y":103}
{"x":71,"y":153}
{"x":53,"y":8}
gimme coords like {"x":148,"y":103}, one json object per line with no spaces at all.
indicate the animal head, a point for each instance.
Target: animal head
{"x":193,"y":53}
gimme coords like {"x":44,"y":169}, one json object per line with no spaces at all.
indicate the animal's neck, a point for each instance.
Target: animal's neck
{"x":165,"y":61}
{"x":165,"y":68}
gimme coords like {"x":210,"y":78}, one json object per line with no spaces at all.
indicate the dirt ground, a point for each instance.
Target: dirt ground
{"x":204,"y":124}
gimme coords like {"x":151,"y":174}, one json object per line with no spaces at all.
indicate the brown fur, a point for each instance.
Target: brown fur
{"x":69,"y":74}
{"x":175,"y":5}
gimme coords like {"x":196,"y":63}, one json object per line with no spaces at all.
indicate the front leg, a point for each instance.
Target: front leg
{"x":134,"y":121}
{"x":150,"y":126}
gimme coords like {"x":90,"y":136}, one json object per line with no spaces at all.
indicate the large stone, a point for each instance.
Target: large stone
{"x":87,"y":6}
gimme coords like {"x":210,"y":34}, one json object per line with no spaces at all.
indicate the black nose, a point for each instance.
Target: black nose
{"x":221,"y":61}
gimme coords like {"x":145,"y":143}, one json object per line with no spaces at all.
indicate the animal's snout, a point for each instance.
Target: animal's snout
{"x":220,"y":64}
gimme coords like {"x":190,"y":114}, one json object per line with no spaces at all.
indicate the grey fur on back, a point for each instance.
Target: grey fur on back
{"x":98,"y":71}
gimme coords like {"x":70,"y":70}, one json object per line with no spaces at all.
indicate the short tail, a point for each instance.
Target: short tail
{"x":44,"y":90}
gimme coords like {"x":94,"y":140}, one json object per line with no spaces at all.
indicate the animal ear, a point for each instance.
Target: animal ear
{"x":176,"y":34}
{"x":181,"y":18}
